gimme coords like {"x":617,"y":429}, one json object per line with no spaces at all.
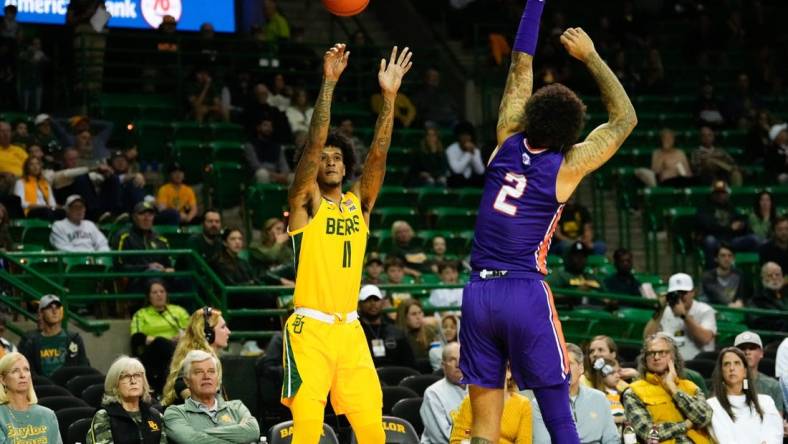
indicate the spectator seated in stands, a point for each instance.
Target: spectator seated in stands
{"x":590,"y":408}
{"x":776,"y":156}
{"x":44,"y":136}
{"x":664,"y":401}
{"x":751,"y":345}
{"x":740,"y":413}
{"x":74,"y":233}
{"x":258,"y":110}
{"x":718,"y":221}
{"x":373,"y":271}
{"x":20,"y":414}
{"x":442,"y":398}
{"x":208,"y":244}
{"x":203,"y":98}
{"x":276,"y":27}
{"x":35,"y":192}
{"x":773,"y":295}
{"x":79,"y":178}
{"x":576,"y":226}
{"x":155,"y":329}
{"x":5,"y":345}
{"x":763,"y":216}
{"x":516,"y":419}
{"x":388,"y":344}
{"x":669,"y":165}
{"x":126,"y":407}
{"x":395,"y":275}
{"x":436,"y":105}
{"x":231,"y":268}
{"x":89,"y":137}
{"x":122,"y":189}
{"x":266,"y":156}
{"x":604,"y":347}
{"x":176,"y":201}
{"x":709,"y":108}
{"x":12,"y":158}
{"x":724,"y":284}
{"x":450,"y":328}
{"x":420,"y":332}
{"x":20,"y":136}
{"x":776,"y":250}
{"x":690,"y":323}
{"x":429,"y":165}
{"x":274,"y":247}
{"x":574,"y":275}
{"x":438,"y":254}
{"x":142,"y":236}
{"x":206,"y":416}
{"x":407,"y":248}
{"x":281,"y":94}
{"x":711,"y":163}
{"x":466,"y":167}
{"x":299,"y":113}
{"x":623,"y":281}
{"x":51,"y":347}
{"x":194,"y":338}
{"x":347,"y":130}
{"x":605,"y":376}
{"x":447,"y":297}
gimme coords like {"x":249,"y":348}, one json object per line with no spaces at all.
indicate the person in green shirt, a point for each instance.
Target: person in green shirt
{"x":155,"y":328}
{"x":762,"y":216}
{"x":276,"y":26}
{"x":22,"y":420}
{"x":52,"y":347}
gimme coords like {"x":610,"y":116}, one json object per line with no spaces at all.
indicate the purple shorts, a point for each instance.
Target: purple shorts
{"x":511,"y":319}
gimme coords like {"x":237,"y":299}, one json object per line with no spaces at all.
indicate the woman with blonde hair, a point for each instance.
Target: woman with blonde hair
{"x":207,"y":331}
{"x":126,"y":416}
{"x":20,"y":415}
{"x":273,"y":248}
{"x":36,"y":193}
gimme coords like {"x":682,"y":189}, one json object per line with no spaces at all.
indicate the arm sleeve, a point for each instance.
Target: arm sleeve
{"x":772,"y":429}
{"x":57,"y":237}
{"x":179,"y":431}
{"x":100,"y":431}
{"x":99,"y":240}
{"x":19,"y":190}
{"x":458,"y":159}
{"x":609,"y":430}
{"x":247,"y":429}
{"x":192,"y":198}
{"x":436,"y":425}
{"x":477,"y":163}
{"x":251,"y":157}
{"x":709,"y":321}
{"x":61,"y":133}
{"x":695,"y":408}
{"x":51,"y":196}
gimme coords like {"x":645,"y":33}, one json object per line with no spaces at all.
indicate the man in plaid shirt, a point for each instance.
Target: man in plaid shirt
{"x":674,"y":406}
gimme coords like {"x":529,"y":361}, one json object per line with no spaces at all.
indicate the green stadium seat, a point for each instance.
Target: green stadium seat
{"x":555,"y":261}
{"x":191,"y":130}
{"x":696,"y":196}
{"x":744,"y":196}
{"x":225,"y":184}
{"x":37,"y":233}
{"x":230,"y":132}
{"x":655,"y":201}
{"x":194,"y":156}
{"x":452,"y":218}
{"x":437,"y":197}
{"x":396,"y":196}
{"x":470,"y":197}
{"x":178,"y":237}
{"x":152,"y":137}
{"x":575,"y":329}
{"x":590,"y":313}
{"x":400,"y":156}
{"x":264,"y":201}
{"x":384,"y":217}
{"x":633,"y":314}
{"x":228,"y":151}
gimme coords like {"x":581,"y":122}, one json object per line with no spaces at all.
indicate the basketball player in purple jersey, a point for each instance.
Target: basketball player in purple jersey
{"x":508,"y":311}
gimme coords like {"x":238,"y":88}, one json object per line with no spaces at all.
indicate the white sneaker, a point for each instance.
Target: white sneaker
{"x":250,"y":348}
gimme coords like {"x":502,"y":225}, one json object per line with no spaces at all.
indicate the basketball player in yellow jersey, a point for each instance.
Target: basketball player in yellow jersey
{"x":325,"y":349}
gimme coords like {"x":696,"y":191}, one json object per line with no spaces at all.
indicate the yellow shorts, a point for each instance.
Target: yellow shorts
{"x":321,"y":358}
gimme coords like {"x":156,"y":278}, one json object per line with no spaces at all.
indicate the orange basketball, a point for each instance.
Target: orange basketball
{"x":345,"y":8}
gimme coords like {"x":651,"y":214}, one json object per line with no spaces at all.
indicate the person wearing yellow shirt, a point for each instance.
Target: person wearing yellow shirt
{"x":516,"y":421}
{"x":175,"y":196}
{"x":12,"y":158}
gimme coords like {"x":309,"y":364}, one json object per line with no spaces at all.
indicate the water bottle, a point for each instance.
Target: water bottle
{"x":629,"y":434}
{"x":653,"y":436}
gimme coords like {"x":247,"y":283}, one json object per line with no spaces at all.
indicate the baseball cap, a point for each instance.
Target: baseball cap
{"x":748,"y":337}
{"x":369,"y":291}
{"x":680,"y":282}
{"x":775,"y":130}
{"x":48,"y":300}
{"x":579,"y":247}
{"x":74,"y":121}
{"x":41,"y":118}
{"x":73,"y":198}
{"x":143,"y":207}
{"x":116,"y":153}
{"x":720,"y":186}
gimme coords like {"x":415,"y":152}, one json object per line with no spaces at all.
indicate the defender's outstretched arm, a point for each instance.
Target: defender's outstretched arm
{"x":607,"y":138}
{"x":390,"y":79}
{"x":519,"y":82}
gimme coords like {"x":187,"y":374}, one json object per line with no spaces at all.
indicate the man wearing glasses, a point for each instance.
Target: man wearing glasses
{"x":662,"y":403}
{"x":690,"y":323}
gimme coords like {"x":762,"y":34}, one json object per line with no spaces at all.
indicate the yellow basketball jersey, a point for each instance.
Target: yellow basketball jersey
{"x":329,"y":252}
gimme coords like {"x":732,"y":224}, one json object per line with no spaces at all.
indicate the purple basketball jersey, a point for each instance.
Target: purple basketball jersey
{"x":518,"y":211}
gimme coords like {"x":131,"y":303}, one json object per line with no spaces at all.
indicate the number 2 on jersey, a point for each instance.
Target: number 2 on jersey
{"x":515,"y":192}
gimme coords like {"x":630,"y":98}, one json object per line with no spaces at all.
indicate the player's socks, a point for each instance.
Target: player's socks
{"x":557,"y":414}
{"x":528,"y":31}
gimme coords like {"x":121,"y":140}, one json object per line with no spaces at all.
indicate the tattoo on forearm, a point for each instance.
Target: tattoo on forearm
{"x":375,"y":165}
{"x":321,"y":116}
{"x":519,"y":84}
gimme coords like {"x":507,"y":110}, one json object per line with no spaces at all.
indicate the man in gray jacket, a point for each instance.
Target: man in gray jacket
{"x":74,"y":233}
{"x":205,"y":417}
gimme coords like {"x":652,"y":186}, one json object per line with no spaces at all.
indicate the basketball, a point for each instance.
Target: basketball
{"x":345,"y":8}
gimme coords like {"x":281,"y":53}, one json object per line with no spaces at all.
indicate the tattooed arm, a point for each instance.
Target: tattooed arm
{"x":519,"y":85}
{"x":304,"y":194}
{"x":390,"y":78}
{"x":607,"y":138}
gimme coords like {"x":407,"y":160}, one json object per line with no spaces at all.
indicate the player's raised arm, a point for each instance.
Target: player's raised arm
{"x":519,"y":83}
{"x":607,"y":138}
{"x":304,"y":185}
{"x":390,"y":79}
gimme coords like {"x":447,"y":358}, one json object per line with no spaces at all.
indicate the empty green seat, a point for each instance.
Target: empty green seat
{"x":264,"y":201}
{"x":383,"y":217}
{"x":452,"y":218}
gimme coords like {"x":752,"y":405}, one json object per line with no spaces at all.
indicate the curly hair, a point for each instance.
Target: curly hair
{"x":554,"y":117}
{"x":193,"y":339}
{"x":678,"y":360}
{"x":337,"y":140}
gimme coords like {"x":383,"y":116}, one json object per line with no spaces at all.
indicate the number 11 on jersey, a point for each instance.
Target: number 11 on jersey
{"x":515,"y":192}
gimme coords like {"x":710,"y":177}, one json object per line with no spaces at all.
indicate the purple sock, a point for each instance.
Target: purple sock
{"x":528,"y":31}
{"x":557,"y":414}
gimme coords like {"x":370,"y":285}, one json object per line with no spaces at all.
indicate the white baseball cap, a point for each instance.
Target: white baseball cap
{"x":680,"y":282}
{"x":73,"y":198}
{"x":369,"y":291}
{"x":41,"y":118}
{"x":48,"y":300}
{"x":775,"y":130}
{"x":748,"y":337}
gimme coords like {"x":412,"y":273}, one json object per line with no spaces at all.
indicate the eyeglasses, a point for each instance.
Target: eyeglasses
{"x":127,"y":377}
{"x":654,"y":354}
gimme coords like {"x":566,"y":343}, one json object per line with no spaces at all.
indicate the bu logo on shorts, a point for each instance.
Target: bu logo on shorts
{"x":298,"y":324}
